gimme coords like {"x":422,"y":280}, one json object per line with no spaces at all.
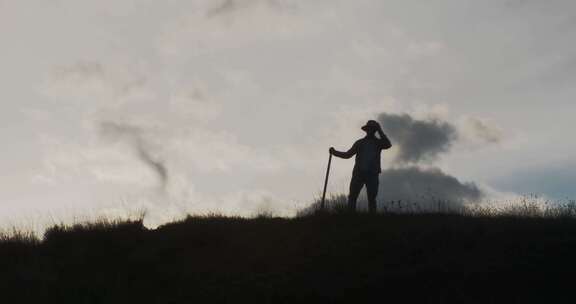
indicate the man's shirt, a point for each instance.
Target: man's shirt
{"x":368,"y":150}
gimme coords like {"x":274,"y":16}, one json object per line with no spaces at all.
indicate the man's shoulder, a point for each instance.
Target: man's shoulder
{"x":371,"y":142}
{"x":364,"y":140}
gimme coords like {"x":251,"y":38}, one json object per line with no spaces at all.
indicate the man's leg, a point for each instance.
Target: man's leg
{"x":356,"y":184}
{"x":372,"y":184}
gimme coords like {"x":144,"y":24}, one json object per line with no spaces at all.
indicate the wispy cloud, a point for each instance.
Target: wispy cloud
{"x":135,"y":138}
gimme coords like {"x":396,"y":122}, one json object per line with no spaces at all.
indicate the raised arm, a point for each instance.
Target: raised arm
{"x":384,"y":141}
{"x":351,"y":152}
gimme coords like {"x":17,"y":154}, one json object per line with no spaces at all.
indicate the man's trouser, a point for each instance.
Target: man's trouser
{"x":359,"y":179}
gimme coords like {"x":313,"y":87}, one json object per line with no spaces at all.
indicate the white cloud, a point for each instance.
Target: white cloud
{"x":250,"y":94}
{"x":181,"y":135}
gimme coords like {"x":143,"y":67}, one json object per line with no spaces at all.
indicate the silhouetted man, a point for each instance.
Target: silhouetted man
{"x":367,"y":166}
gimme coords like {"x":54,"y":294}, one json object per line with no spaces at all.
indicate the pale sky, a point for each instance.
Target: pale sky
{"x":240,"y":100}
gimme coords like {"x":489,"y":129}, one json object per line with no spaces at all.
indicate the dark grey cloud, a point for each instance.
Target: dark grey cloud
{"x":418,"y":140}
{"x":416,"y":189}
{"x":134,"y":137}
{"x":422,"y":188}
{"x":423,"y":141}
{"x":416,"y":184}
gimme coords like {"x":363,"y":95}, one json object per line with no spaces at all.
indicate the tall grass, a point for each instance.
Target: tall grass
{"x":442,"y":252}
{"x":528,"y":206}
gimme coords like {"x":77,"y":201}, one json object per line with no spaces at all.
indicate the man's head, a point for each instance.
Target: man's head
{"x":371,"y":127}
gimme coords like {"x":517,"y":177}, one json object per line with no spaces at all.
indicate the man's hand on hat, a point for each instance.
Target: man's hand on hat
{"x":380,"y":131}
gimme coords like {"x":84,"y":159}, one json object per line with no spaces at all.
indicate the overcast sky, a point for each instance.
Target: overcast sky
{"x":237,"y":102}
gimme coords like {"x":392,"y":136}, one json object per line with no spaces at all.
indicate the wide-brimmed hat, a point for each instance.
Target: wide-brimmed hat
{"x":370,"y":125}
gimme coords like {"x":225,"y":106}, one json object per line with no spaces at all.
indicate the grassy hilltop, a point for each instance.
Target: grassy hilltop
{"x":431,"y":258}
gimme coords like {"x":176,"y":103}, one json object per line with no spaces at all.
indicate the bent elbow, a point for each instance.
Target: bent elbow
{"x":386,"y":145}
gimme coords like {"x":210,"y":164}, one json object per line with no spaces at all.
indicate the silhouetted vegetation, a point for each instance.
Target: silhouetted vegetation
{"x":470,"y":257}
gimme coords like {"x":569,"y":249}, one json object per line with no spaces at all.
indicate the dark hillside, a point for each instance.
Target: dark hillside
{"x":321,"y":258}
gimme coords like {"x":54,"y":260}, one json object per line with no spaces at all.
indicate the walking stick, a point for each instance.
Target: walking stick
{"x":322,"y":203}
